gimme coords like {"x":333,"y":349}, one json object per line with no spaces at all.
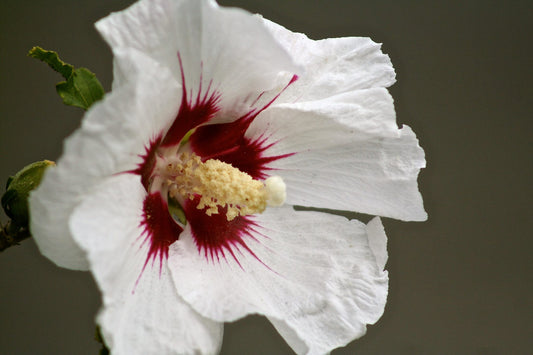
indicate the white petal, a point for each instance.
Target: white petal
{"x":333,"y":65}
{"x":378,"y":241}
{"x":349,"y":154}
{"x":226,"y":45}
{"x":378,"y":244}
{"x":314,"y":273}
{"x":113,"y":134}
{"x":144,"y":317}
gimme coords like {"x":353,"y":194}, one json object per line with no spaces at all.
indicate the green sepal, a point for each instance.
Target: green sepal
{"x":15,"y":199}
{"x":81,"y":88}
{"x":9,"y":179}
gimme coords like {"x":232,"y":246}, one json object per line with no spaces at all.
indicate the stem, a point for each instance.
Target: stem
{"x":11,"y":234}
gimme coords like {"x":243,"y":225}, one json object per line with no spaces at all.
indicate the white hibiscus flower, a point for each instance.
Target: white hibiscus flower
{"x":224,"y":115}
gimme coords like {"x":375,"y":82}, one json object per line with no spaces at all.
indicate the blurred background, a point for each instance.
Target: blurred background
{"x":460,"y":283}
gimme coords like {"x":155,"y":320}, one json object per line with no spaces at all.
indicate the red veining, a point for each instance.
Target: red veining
{"x":159,"y":228}
{"x":227,"y":142}
{"x":214,"y":235}
{"x":146,"y":167}
{"x":191,"y":113}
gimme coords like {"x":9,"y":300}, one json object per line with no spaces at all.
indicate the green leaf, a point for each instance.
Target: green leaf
{"x":81,"y":88}
{"x":52,"y":59}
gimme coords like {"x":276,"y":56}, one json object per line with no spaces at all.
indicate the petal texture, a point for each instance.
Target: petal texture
{"x":141,"y":312}
{"x":333,"y":65}
{"x":349,"y":155}
{"x":112,"y":135}
{"x":378,"y":244}
{"x":378,"y":241}
{"x":313,"y":274}
{"x":226,"y":47}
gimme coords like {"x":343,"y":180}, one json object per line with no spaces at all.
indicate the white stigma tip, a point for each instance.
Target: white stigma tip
{"x":276,"y":191}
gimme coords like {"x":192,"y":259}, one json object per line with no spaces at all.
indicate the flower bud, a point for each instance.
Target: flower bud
{"x":15,"y":199}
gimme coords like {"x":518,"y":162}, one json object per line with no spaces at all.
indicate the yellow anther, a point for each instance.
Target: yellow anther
{"x":219,"y":184}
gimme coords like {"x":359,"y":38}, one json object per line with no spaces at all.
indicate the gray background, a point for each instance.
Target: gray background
{"x":461,"y":283}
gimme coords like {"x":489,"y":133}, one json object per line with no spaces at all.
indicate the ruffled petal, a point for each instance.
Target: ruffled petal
{"x":349,"y":154}
{"x":313,"y":273}
{"x":226,"y":49}
{"x":141,"y":311}
{"x":334,"y":65}
{"x":113,"y":135}
{"x":378,"y":244}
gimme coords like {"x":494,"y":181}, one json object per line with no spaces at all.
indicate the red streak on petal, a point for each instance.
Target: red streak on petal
{"x":193,"y":111}
{"x":160,"y":229}
{"x":146,"y":167}
{"x":227,"y":142}
{"x":215,"y":236}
